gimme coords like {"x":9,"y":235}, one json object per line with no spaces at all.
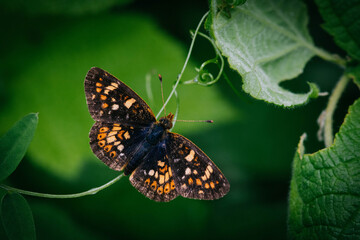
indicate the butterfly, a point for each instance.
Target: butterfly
{"x":127,"y":137}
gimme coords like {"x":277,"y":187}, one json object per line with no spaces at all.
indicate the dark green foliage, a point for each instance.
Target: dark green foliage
{"x":343,"y":23}
{"x":17,"y":217}
{"x":14,"y":143}
{"x":325,"y":187}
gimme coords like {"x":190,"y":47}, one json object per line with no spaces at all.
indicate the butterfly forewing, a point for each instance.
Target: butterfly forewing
{"x":195,"y":175}
{"x":110,"y":100}
{"x":154,"y":177}
{"x":115,"y":143}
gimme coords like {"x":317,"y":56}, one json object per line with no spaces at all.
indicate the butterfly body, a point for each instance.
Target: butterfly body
{"x":126,"y":136}
{"x":155,"y":134}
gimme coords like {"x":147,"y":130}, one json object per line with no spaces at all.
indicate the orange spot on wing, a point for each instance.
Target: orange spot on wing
{"x":207,"y":185}
{"x":153,"y":185}
{"x":147,"y":181}
{"x":190,"y":181}
{"x":160,"y":190}
{"x":98,"y":84}
{"x":104,"y":105}
{"x":101,"y":143}
{"x":98,"y":89}
{"x":107,"y":148}
{"x":167,"y":188}
{"x":113,"y":154}
{"x":103,"y":97}
{"x":104,"y":129}
{"x":100,"y":79}
{"x":212,"y":185}
{"x":198,"y":181}
{"x":120,"y":134}
{"x":163,"y":170}
{"x":101,"y":136}
{"x":172,"y":185}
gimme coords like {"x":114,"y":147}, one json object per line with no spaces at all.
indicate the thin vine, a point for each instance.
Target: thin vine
{"x":185,"y":65}
{"x":74,"y":195}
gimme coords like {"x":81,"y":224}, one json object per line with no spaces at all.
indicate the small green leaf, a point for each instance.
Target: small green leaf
{"x":325,"y":186}
{"x":14,"y":143}
{"x":267,"y":42}
{"x":354,"y":73}
{"x":343,"y":23}
{"x":17,"y":217}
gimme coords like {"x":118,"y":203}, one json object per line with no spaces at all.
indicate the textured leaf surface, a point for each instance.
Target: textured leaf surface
{"x":325,"y":187}
{"x":14,"y":143}
{"x":266,"y":42}
{"x":343,"y":23}
{"x":17,"y":217}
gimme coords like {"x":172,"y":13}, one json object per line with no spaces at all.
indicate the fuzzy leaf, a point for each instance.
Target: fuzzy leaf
{"x":14,"y":143}
{"x":267,"y":42}
{"x":343,"y":23}
{"x":325,"y":187}
{"x":17,"y":217}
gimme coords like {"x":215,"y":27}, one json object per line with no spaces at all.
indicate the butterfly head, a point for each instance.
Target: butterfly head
{"x":166,"y":122}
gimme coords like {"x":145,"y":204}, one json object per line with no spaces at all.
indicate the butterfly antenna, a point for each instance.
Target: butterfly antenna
{"x":162,"y":92}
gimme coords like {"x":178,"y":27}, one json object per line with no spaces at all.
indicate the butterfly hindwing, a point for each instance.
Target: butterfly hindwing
{"x":110,"y":100}
{"x":195,"y":175}
{"x":115,"y":143}
{"x":154,"y":177}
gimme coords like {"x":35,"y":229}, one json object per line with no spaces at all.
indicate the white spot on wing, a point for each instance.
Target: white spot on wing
{"x":115,"y":107}
{"x":129,"y":103}
{"x":120,"y":147}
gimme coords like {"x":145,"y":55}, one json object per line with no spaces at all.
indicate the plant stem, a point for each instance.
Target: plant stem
{"x":329,"y":57}
{"x":75,"y":195}
{"x":330,"y":109}
{"x":185,"y":64}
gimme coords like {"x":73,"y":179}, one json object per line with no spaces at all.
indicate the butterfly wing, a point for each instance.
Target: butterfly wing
{"x":154,"y":177}
{"x":110,"y":100}
{"x":195,"y":175}
{"x":115,"y":143}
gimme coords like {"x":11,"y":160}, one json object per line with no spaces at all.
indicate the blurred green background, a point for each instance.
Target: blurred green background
{"x":47,"y":47}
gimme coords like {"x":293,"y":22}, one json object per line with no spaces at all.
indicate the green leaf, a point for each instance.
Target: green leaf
{"x":354,"y":73}
{"x":267,"y":42}
{"x":325,"y":186}
{"x":343,"y":23}
{"x":17,"y":217}
{"x":14,"y":143}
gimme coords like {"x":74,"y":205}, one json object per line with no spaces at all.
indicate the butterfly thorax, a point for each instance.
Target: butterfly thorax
{"x":158,"y":130}
{"x":166,"y":122}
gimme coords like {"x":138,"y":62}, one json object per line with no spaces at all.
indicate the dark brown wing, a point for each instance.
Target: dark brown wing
{"x":154,"y":177}
{"x":110,"y":100}
{"x":195,"y":175}
{"x":115,"y":143}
